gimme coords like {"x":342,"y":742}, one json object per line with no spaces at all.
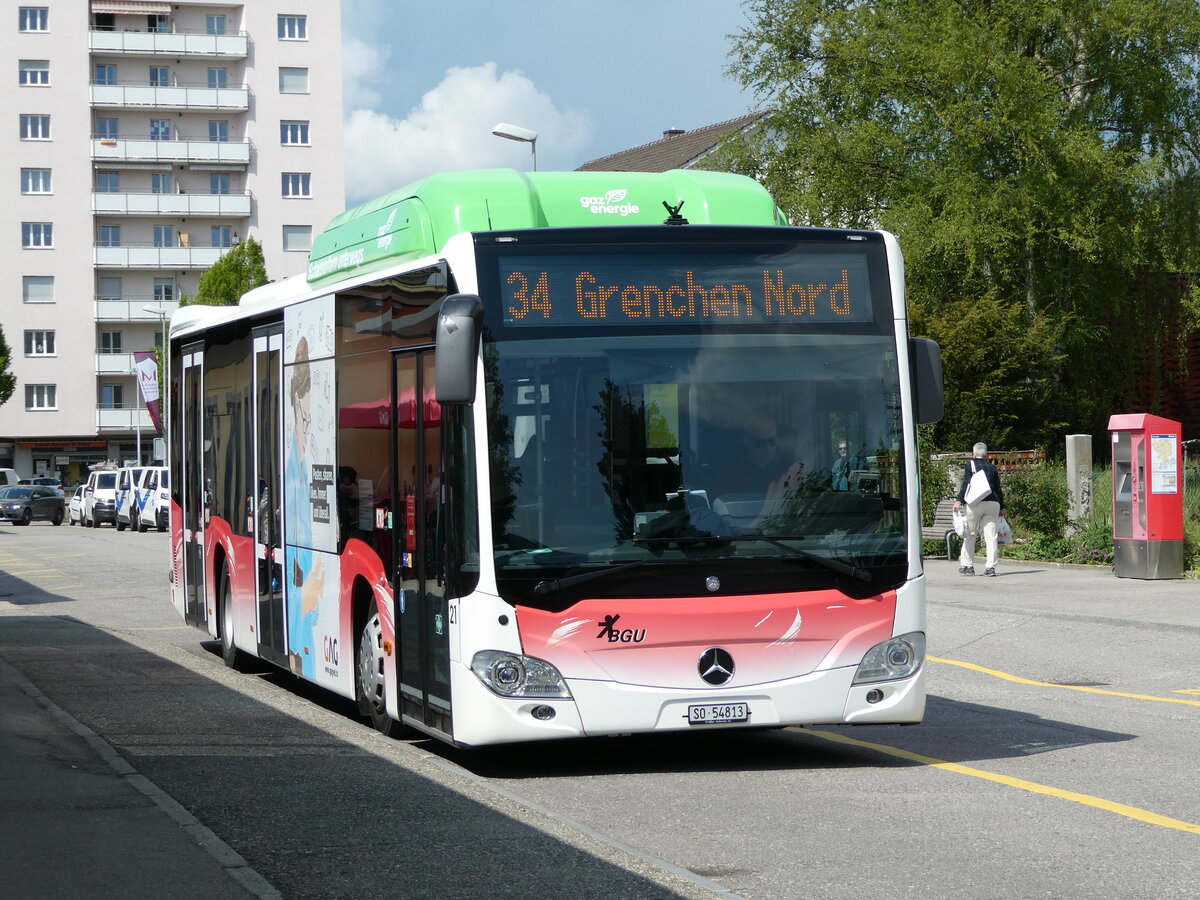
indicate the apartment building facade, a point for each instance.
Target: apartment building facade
{"x":143,"y":141}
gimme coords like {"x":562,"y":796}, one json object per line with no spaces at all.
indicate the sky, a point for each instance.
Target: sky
{"x":425,"y":83}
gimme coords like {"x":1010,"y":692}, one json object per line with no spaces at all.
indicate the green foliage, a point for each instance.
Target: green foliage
{"x":8,"y":381}
{"x":235,"y":273}
{"x":935,"y":480}
{"x":1093,"y":544}
{"x":1036,"y":500}
{"x":1037,"y":160}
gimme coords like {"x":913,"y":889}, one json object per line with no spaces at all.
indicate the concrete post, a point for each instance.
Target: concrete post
{"x":1079,"y":481}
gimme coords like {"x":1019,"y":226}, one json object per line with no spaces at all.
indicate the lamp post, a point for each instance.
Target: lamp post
{"x":161,"y":312}
{"x":519,"y":134}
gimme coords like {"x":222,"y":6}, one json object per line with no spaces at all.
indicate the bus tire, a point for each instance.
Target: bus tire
{"x":233,"y":657}
{"x":368,"y":677}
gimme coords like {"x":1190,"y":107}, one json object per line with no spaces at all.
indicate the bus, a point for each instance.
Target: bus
{"x":550,"y":455}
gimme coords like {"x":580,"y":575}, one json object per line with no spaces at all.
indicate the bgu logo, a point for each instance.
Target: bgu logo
{"x":612,"y":203}
{"x":608,"y":628}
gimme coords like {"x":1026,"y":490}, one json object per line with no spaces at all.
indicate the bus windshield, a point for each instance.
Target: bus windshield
{"x":760,"y":450}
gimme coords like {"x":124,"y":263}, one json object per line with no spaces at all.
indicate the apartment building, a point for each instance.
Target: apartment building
{"x":140,"y":141}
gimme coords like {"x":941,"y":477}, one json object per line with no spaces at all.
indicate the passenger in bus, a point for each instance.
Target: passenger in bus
{"x":843,"y":466}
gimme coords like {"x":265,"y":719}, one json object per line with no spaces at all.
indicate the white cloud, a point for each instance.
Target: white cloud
{"x":451,"y":129}
{"x":362,"y":66}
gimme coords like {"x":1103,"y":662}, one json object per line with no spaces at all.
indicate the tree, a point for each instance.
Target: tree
{"x":1037,"y":160}
{"x":8,"y":381}
{"x":236,"y":272}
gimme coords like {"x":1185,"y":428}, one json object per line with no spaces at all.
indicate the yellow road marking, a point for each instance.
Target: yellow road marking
{"x":1187,"y":691}
{"x":1121,"y":809}
{"x":1066,"y":687}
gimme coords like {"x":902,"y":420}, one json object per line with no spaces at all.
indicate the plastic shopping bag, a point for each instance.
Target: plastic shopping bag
{"x":1003,"y":531}
{"x":960,"y":522}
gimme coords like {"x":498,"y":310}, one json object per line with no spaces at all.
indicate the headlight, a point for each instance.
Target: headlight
{"x":895,"y":658}
{"x":516,"y":675}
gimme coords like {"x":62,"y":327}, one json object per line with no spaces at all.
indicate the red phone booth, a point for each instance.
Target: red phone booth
{"x":1147,"y":496}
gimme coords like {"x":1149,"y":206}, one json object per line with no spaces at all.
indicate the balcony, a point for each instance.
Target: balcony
{"x":181,"y":97}
{"x":146,"y":204}
{"x":114,"y":363}
{"x":150,"y":257}
{"x":178,"y":43}
{"x":177,"y":151}
{"x":129,"y":309}
{"x":123,"y":419}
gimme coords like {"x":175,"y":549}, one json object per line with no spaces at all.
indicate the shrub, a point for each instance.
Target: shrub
{"x":1093,"y":545}
{"x":1036,"y":500}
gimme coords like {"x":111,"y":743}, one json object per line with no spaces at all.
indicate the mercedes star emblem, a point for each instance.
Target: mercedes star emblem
{"x":716,"y":665}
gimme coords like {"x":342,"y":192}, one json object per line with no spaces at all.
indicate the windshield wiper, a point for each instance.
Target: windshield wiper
{"x":858,"y":573}
{"x":554,"y":585}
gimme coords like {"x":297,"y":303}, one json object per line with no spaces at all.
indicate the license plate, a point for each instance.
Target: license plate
{"x":718,"y":713}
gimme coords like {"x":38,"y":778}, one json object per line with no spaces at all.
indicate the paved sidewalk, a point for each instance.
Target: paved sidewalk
{"x":76,"y":820}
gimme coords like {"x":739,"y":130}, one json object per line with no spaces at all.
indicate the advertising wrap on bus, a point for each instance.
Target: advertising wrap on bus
{"x":683,"y":494}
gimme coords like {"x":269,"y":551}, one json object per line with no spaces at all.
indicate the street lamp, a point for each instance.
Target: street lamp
{"x":519,"y":134}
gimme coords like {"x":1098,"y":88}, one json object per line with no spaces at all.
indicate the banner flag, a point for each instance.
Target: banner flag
{"x":146,"y":364}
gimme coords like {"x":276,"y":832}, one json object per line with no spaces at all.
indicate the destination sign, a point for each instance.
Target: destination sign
{"x":639,"y":290}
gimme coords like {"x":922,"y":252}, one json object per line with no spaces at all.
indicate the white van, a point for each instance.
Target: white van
{"x":100,"y":498}
{"x":9,"y":477}
{"x":154,"y":499}
{"x":128,"y":482}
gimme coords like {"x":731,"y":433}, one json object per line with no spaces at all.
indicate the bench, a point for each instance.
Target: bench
{"x":942,"y":528}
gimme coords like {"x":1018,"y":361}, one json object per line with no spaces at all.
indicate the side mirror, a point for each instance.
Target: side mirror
{"x":459,"y":326}
{"x":925,"y":360}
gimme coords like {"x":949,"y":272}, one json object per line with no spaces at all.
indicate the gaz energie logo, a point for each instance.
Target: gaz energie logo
{"x":611,"y":204}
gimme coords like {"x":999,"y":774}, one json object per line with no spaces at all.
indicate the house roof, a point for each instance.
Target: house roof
{"x":677,"y":149}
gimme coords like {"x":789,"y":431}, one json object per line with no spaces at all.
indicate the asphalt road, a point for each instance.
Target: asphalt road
{"x":1058,"y":757}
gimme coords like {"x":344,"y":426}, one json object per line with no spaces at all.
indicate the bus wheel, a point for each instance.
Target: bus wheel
{"x":368,"y":680}
{"x":234,"y":658}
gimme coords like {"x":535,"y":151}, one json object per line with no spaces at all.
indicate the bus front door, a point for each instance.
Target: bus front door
{"x":422,"y":620}
{"x":268,"y":481}
{"x":193,"y":493}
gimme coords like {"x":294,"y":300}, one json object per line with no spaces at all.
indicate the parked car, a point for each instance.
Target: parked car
{"x":44,"y":481}
{"x":129,"y":480}
{"x":24,"y":503}
{"x":154,"y":499}
{"x":75,"y":507}
{"x":100,"y":498}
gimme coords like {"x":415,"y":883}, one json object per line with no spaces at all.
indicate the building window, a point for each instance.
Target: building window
{"x":160,"y":76}
{"x":35,"y":72}
{"x":293,"y":80}
{"x":34,"y":18}
{"x":293,"y":28}
{"x":218,"y":183}
{"x":110,"y":288}
{"x":112,"y":396}
{"x":35,"y":127}
{"x":157,"y":23}
{"x":41,"y":396}
{"x":218,"y":130}
{"x":294,"y":133}
{"x":110,"y":342}
{"x":164,"y":235}
{"x":218,"y":79}
{"x":104,"y":21}
{"x":214,"y":24}
{"x":107,"y":129}
{"x":35,"y":181}
{"x":39,"y":343}
{"x":160,"y":183}
{"x":108,"y":182}
{"x":160,"y":129}
{"x":297,"y":237}
{"x":164,"y":291}
{"x":104,"y":74}
{"x":37,"y":235}
{"x":110,"y":236}
{"x":222,"y":236}
{"x":37,"y":288}
{"x":296,"y":184}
